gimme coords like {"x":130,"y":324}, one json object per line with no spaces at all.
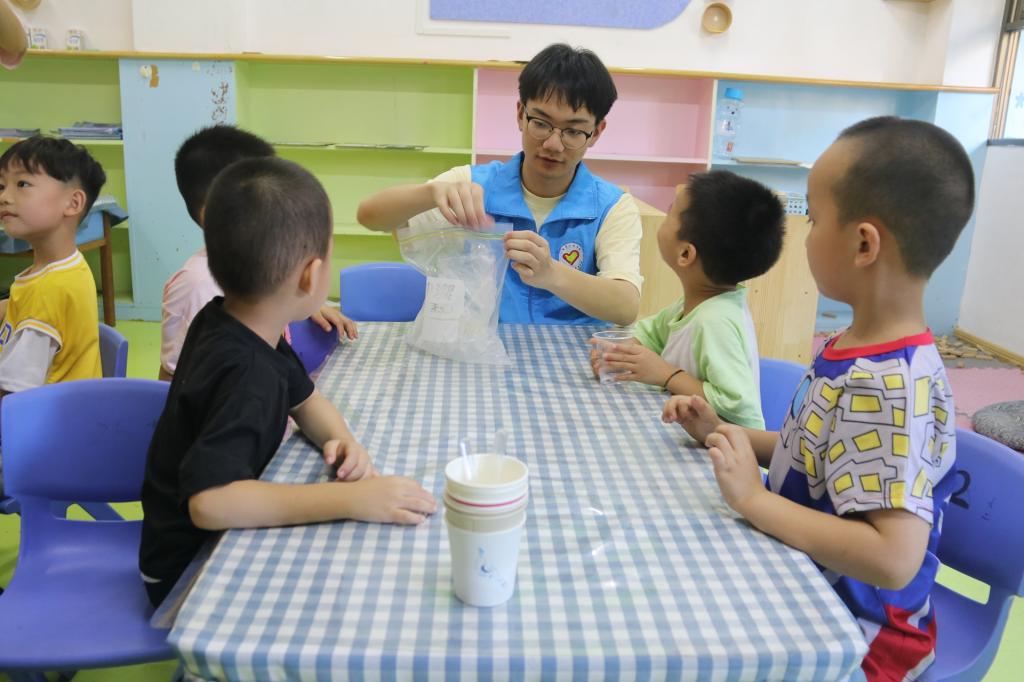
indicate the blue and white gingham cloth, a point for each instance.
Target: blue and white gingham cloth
{"x":631,"y":565}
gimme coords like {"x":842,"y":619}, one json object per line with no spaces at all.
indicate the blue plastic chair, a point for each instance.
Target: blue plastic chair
{"x":382,"y":292}
{"x":76,"y":599}
{"x":981,"y":537}
{"x":311,"y":343}
{"x":779,"y":381}
{"x":113,"y":352}
{"x":114,"y":360}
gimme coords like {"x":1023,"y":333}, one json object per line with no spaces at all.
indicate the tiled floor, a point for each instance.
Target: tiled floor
{"x":973,"y":387}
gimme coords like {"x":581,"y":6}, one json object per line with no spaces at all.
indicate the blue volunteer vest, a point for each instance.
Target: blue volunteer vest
{"x":570,"y":230}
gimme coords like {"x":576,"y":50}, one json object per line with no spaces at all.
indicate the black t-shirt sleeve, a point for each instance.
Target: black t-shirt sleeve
{"x":229,"y":442}
{"x":300,"y":386}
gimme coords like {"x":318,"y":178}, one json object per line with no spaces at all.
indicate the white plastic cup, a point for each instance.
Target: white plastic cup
{"x":485,"y":500}
{"x":486,"y":479}
{"x":484,"y":563}
{"x":605,"y":340}
{"x":478,"y":511}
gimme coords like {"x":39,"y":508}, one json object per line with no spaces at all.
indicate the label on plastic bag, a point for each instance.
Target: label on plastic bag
{"x":442,"y":307}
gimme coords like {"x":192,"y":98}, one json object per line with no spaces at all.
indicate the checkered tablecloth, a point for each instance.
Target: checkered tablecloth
{"x":631,"y":567}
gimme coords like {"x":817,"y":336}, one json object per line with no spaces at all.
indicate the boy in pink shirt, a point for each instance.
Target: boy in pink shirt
{"x":200,"y":158}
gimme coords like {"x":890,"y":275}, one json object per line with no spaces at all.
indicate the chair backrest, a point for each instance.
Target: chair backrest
{"x":311,"y":343}
{"x":779,"y":381}
{"x":80,"y":440}
{"x":981,"y":533}
{"x":113,"y":352}
{"x":382,"y":292}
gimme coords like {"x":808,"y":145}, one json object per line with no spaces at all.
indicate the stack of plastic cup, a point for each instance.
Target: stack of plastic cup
{"x":485,"y":501}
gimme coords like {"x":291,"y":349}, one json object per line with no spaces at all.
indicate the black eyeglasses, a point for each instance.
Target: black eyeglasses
{"x":572,"y":138}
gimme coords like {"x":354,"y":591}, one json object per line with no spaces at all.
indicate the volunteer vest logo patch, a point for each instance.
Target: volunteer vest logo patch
{"x":571,"y":254}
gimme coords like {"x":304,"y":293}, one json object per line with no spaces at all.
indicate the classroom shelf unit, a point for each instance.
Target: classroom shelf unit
{"x":362,"y":124}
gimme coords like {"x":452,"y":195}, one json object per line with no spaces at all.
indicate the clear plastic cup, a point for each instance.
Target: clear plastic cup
{"x":604,"y":342}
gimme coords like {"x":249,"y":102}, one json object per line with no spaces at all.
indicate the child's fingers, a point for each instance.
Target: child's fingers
{"x":407,"y":518}
{"x":674,"y":409}
{"x":619,"y":360}
{"x":330,"y":452}
{"x":735,"y":436}
{"x":347,"y":465}
{"x":717,"y":460}
{"x":359,"y":470}
{"x":718,"y":442}
{"x":419,"y":504}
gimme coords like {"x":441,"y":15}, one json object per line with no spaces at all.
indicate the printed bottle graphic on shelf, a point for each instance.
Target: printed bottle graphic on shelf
{"x":727,"y":123}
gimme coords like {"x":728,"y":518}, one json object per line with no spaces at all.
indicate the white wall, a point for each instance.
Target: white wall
{"x":991,"y":304}
{"x":944,"y":41}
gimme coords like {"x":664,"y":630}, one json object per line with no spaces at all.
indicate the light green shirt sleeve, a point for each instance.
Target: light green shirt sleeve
{"x":653,"y":332}
{"x":729,"y":385}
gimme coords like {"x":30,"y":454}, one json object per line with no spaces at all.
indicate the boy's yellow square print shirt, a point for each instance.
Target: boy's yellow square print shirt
{"x":58,"y":301}
{"x":874,"y":428}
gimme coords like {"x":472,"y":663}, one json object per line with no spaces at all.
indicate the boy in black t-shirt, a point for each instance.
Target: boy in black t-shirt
{"x":268,"y":238}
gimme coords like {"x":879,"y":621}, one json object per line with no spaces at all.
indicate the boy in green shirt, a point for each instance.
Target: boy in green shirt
{"x":722,"y":229}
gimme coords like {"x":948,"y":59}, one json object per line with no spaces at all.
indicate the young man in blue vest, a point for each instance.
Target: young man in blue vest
{"x":575,"y":244}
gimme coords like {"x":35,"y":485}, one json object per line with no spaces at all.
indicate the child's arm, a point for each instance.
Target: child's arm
{"x":261,"y":504}
{"x":884,"y":548}
{"x":699,"y":420}
{"x":461,"y":203}
{"x":324,"y":425}
{"x":26,"y":360}
{"x":644,"y":365}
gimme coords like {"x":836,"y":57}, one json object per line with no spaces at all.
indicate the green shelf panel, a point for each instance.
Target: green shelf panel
{"x":357,"y":103}
{"x":349,"y":176}
{"x":50,"y":93}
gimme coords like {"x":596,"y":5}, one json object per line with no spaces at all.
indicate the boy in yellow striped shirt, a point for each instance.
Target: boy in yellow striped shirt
{"x":50,"y":328}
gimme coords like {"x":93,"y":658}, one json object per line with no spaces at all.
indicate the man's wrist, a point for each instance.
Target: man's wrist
{"x":559,"y":279}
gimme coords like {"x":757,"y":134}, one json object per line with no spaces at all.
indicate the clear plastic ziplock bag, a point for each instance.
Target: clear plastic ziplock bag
{"x":465,"y":271}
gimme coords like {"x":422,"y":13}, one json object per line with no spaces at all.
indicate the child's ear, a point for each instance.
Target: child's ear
{"x":869,"y":244}
{"x":75,"y":204}
{"x":310,"y":275}
{"x":520,"y":110}
{"x":687,"y":255}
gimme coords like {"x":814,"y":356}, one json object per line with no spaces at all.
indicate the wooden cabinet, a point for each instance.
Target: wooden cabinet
{"x":783,"y":301}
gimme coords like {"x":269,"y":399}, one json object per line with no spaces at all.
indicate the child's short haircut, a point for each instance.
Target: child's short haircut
{"x":263,"y":217}
{"x":916,"y":179}
{"x":209,"y":151}
{"x":574,"y":75}
{"x":736,"y":224}
{"x":61,"y":160}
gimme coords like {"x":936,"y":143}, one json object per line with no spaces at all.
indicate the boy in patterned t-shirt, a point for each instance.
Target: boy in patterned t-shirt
{"x":864,"y":466}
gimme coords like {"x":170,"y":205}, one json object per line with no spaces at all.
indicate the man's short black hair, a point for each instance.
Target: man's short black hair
{"x":61,"y":160}
{"x":736,"y":224}
{"x":576,"y":76}
{"x":916,"y":179}
{"x":264,"y":216}
{"x":209,"y":151}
